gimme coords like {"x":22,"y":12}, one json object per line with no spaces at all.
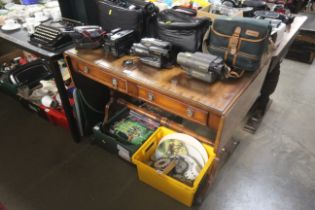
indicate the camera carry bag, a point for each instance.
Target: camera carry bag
{"x":183,"y":31}
{"x":256,"y":4}
{"x":128,"y":15}
{"x":285,"y":18}
{"x":250,"y":5}
{"x":87,"y":37}
{"x":240,"y":41}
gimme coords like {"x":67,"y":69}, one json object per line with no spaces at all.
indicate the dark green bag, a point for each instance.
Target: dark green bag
{"x":240,"y":41}
{"x":7,"y":86}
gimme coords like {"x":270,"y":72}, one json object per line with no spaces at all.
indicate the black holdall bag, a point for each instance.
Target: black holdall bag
{"x":240,"y":41}
{"x":128,"y":15}
{"x":183,"y":31}
{"x":250,"y":6}
{"x":256,"y":4}
{"x":30,"y":74}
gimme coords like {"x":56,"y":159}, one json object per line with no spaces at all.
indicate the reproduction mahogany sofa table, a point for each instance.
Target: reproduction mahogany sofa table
{"x":220,"y":106}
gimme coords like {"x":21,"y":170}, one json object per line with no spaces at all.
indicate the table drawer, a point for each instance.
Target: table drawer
{"x":101,"y":76}
{"x":174,"y":106}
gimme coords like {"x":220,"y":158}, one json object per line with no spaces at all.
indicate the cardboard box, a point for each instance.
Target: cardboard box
{"x":204,"y":12}
{"x":10,"y":56}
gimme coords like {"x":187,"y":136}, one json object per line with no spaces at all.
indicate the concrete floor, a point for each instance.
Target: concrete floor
{"x":42,"y":169}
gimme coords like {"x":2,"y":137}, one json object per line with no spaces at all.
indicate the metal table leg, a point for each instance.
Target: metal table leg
{"x":54,"y":67}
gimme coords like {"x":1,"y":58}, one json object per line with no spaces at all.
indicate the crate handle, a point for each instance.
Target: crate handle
{"x":147,"y":148}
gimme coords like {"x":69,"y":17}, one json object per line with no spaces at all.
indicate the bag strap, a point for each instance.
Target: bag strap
{"x":234,"y":42}
{"x":204,"y":41}
{"x":230,"y":73}
{"x":272,"y":43}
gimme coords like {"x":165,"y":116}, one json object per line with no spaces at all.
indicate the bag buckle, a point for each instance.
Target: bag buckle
{"x":234,"y":40}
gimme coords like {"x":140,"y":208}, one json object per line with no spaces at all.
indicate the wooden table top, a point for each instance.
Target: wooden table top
{"x":309,"y":26}
{"x":291,"y":31}
{"x":216,"y":97}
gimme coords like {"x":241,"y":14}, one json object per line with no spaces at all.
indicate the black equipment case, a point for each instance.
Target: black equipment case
{"x":130,"y":15}
{"x":181,"y":30}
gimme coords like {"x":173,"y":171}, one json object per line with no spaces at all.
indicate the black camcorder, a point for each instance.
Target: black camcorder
{"x":118,"y":41}
{"x":153,"y":52}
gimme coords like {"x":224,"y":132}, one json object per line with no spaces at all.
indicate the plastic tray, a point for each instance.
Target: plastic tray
{"x":164,"y":183}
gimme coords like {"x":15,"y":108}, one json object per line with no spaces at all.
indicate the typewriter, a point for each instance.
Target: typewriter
{"x":50,"y":37}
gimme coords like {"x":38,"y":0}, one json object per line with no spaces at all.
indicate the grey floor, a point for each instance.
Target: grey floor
{"x":42,"y":169}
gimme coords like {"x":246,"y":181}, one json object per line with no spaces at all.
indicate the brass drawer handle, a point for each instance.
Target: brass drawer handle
{"x":86,"y":69}
{"x":150,"y":96}
{"x":115,"y":83}
{"x":190,"y":112}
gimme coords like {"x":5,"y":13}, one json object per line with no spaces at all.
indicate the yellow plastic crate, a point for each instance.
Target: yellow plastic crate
{"x":166,"y":184}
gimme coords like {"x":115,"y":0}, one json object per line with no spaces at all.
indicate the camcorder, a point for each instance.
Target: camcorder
{"x":153,"y":52}
{"x":118,"y":41}
{"x":202,"y":66}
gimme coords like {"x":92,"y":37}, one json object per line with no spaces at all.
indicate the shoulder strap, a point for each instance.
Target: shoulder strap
{"x":232,"y":73}
{"x":205,"y":41}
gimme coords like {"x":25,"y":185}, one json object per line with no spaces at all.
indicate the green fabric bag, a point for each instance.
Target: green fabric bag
{"x":6,"y":86}
{"x":240,"y":41}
